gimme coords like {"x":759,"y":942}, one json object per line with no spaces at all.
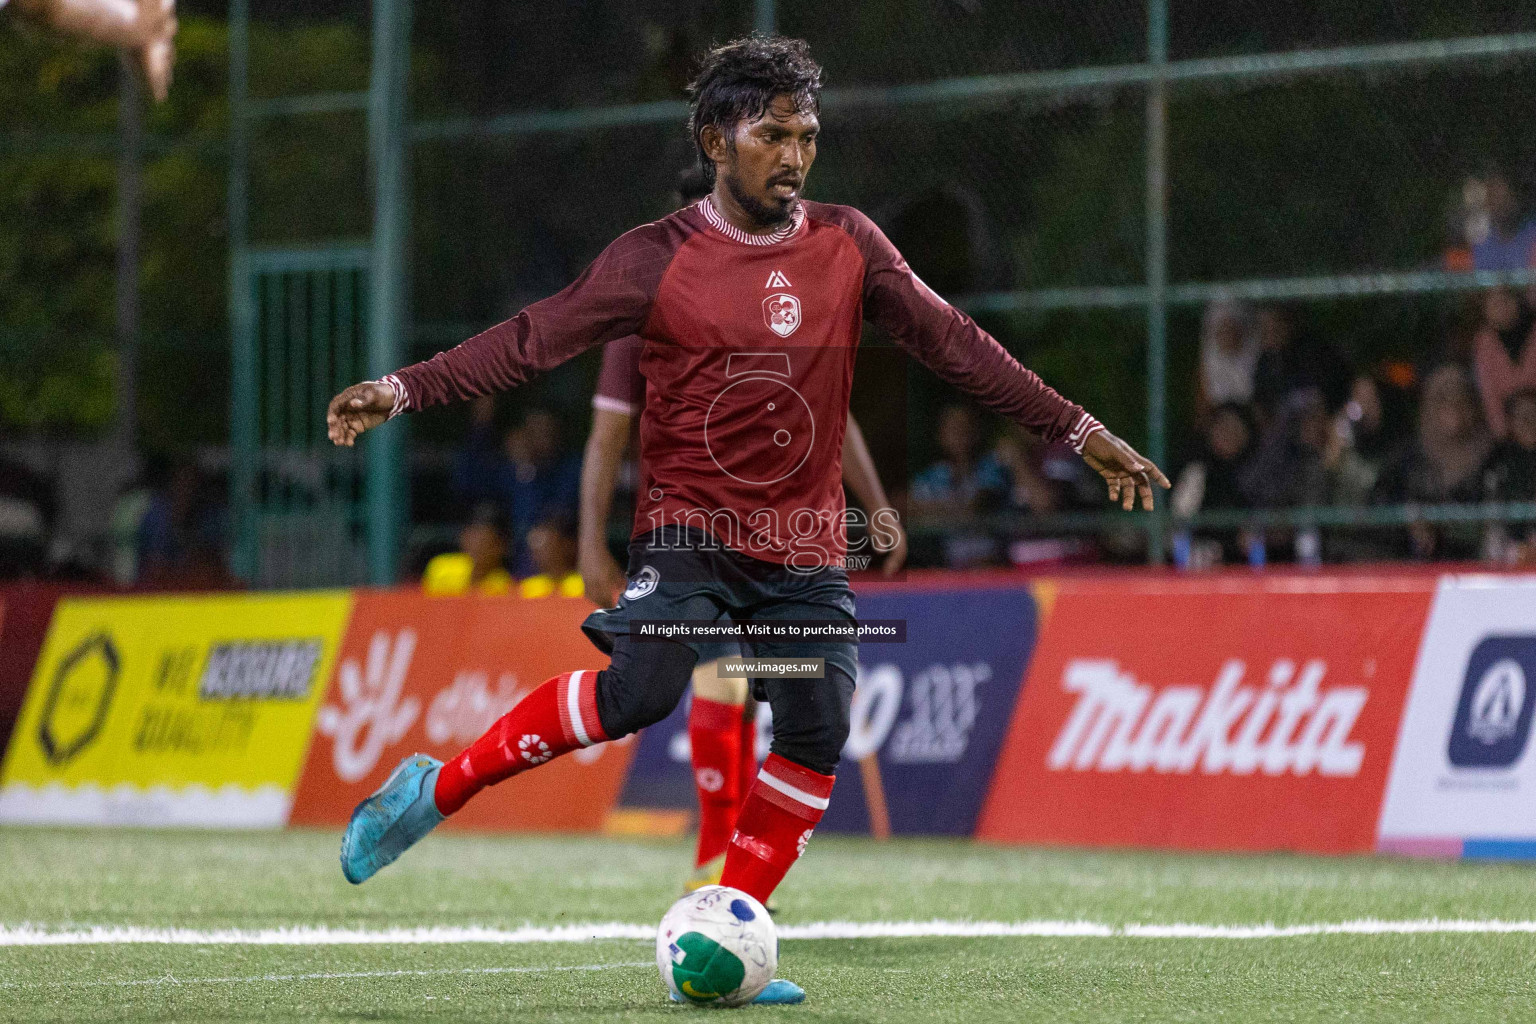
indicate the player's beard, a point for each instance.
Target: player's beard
{"x":774,"y":215}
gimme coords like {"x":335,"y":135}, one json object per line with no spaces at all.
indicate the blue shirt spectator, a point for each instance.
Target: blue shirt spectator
{"x":1509,"y":240}
{"x":965,"y":479}
{"x":528,"y":476}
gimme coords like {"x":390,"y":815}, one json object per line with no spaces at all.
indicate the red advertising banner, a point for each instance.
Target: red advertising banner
{"x":431,"y":674}
{"x":1225,"y":713}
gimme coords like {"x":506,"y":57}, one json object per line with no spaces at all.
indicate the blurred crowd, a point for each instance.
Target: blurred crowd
{"x":521,"y":490}
{"x":166,"y":528}
{"x":1282,"y":418}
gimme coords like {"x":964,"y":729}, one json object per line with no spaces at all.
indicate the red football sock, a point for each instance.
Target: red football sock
{"x":747,"y":765}
{"x":781,"y":813}
{"x":714,"y":732}
{"x":554,"y":719}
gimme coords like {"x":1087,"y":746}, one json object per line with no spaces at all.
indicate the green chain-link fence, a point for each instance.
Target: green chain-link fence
{"x":1082,"y":180}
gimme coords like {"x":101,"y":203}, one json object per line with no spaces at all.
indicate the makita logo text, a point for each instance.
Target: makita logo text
{"x":1287,"y":723}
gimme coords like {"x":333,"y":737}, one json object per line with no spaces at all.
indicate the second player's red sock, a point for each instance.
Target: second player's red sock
{"x":554,"y":719}
{"x":714,"y":732}
{"x":785,"y":804}
{"x":747,"y":763}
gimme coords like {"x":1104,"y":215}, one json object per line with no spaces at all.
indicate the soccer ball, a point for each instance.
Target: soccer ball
{"x":717,"y":947}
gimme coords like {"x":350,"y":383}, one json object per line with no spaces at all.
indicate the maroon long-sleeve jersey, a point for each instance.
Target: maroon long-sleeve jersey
{"x":748,"y":356}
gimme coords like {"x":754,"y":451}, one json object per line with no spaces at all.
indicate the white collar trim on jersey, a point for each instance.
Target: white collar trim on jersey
{"x":719,"y":223}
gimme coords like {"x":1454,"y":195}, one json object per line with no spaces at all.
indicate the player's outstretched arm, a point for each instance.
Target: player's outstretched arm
{"x":611,"y":299}
{"x":361,"y":407}
{"x":1129,"y":475}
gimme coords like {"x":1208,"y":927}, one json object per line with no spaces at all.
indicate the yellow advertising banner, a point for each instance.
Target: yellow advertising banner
{"x":172,"y":710}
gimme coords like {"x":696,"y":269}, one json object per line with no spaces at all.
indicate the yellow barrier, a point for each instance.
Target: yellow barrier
{"x":172,"y":710}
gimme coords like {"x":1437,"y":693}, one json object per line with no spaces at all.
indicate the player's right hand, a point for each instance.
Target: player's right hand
{"x":361,"y":407}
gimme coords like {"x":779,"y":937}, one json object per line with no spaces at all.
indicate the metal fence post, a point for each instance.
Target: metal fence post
{"x":1157,"y":259}
{"x":243,"y":389}
{"x":765,"y":19}
{"x":130,"y":203}
{"x":388,"y":140}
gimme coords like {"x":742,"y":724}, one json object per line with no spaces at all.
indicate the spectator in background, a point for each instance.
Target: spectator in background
{"x":967,"y":481}
{"x":181,"y":535}
{"x":1509,"y":238}
{"x":1210,"y":480}
{"x":530,"y":476}
{"x":545,"y":482}
{"x":1357,"y":446}
{"x":552,"y":543}
{"x":1444,"y":463}
{"x":1288,"y":468}
{"x":1291,"y":360}
{"x":479,"y":566}
{"x":1229,"y":356}
{"x":1028,"y":464}
{"x":1043,"y":478}
{"x":478,"y":467}
{"x":1511,"y":476}
{"x":27,"y":510}
{"x":1466,"y":224}
{"x":1504,"y":353}
{"x":1357,"y":450}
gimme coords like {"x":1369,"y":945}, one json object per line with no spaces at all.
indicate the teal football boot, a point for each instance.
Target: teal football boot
{"x":778,"y":993}
{"x":388,"y":823}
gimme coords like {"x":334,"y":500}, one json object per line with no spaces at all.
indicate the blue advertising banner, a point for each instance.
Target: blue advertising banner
{"x":929,"y":716}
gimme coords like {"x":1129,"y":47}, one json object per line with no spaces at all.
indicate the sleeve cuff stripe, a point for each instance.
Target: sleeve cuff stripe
{"x":1085,"y":426}
{"x":402,"y":399}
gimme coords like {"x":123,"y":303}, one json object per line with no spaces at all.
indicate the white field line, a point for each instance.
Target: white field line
{"x":34,"y":935}
{"x":343,"y":975}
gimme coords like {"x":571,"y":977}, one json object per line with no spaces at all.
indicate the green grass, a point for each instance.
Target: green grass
{"x":62,"y":879}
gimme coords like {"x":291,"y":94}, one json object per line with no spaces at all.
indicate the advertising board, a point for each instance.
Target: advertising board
{"x":188,"y":710}
{"x":1221,"y":714}
{"x":430,"y":675}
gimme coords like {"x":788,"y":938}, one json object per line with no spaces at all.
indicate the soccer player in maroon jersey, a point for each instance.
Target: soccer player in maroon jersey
{"x":721,"y":730}
{"x":751,"y":304}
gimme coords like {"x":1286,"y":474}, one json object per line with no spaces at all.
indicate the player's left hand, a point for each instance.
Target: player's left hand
{"x":1128,"y":474}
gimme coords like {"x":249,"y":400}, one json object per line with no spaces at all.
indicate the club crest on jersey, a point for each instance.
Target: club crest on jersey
{"x":781,"y":312}
{"x":642,"y":583}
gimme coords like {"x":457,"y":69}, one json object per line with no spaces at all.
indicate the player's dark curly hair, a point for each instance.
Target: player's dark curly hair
{"x":738,"y":80}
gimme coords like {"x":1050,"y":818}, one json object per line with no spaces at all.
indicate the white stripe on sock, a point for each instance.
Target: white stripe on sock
{"x":573,"y":706}
{"x":793,"y":792}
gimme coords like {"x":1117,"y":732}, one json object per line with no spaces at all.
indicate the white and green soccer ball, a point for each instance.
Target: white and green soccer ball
{"x":717,"y":947}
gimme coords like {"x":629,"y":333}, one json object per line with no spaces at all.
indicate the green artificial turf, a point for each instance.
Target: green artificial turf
{"x":65,"y":879}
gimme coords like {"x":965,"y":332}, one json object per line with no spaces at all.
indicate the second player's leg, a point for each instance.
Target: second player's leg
{"x":720,"y":746}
